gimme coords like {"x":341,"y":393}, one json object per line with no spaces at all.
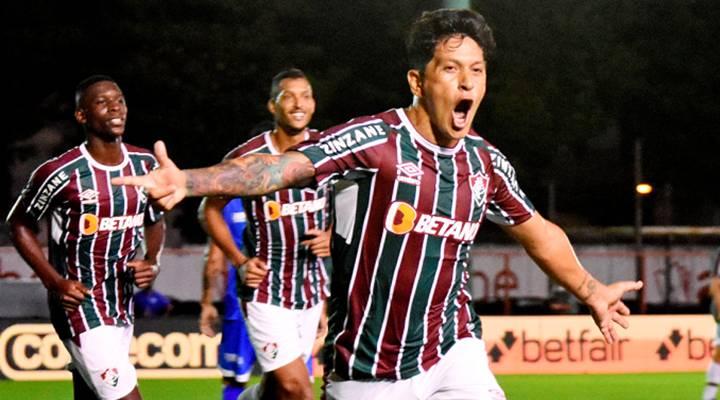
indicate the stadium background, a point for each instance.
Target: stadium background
{"x":573,"y":87}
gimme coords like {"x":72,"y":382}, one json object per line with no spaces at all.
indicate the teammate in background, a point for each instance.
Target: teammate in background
{"x":401,"y":321}
{"x":713,"y":371}
{"x":236,"y":356}
{"x":95,"y":231}
{"x":287,"y":243}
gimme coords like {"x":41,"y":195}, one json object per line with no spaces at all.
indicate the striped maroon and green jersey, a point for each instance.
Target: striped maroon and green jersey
{"x":399,"y":297}
{"x":277,"y":222}
{"x":95,"y":229}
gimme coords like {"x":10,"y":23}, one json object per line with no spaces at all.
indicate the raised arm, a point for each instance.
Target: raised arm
{"x":251,"y":175}
{"x":550,"y":248}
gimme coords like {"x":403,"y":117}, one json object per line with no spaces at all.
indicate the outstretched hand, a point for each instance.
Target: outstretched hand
{"x":165,"y":185}
{"x":608,"y":309}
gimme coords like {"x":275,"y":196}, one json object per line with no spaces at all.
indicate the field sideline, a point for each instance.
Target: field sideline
{"x":668,"y":386}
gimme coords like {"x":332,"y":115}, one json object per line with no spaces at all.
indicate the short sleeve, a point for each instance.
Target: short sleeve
{"x":509,"y":205}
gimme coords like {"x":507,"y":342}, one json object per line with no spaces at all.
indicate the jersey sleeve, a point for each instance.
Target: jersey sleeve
{"x":153,"y":214}
{"x":353,"y":147}
{"x":41,"y":191}
{"x":509,"y":205}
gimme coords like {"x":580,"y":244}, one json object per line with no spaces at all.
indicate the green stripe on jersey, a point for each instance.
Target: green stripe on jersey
{"x":114,"y":244}
{"x":301,"y":256}
{"x":85,"y":247}
{"x":387,"y":268}
{"x":275,"y":257}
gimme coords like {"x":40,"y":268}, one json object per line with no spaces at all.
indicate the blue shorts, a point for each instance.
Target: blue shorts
{"x":235,"y":355}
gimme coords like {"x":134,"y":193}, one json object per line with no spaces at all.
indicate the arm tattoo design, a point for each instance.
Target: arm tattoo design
{"x":590,"y":287}
{"x":251,"y":175}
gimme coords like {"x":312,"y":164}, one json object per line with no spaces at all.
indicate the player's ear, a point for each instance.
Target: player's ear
{"x":414,"y":78}
{"x":271,"y":106}
{"x":80,"y":116}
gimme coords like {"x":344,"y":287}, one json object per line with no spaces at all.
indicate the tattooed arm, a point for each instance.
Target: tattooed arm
{"x":251,"y":175}
{"x":550,"y":248}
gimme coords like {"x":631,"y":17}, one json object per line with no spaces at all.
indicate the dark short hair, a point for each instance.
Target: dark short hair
{"x":87,"y":82}
{"x":291,"y":73}
{"x":434,"y":27}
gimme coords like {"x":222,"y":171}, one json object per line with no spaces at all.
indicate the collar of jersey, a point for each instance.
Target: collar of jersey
{"x":96,"y":164}
{"x":448,"y":151}
{"x":271,"y":146}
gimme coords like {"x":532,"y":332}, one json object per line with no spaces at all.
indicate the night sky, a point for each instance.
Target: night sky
{"x":571,"y":89}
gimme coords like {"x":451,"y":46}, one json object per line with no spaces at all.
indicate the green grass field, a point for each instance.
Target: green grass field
{"x":517,"y":387}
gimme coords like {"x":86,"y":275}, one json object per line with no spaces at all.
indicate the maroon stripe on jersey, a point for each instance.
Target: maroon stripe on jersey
{"x":132,"y":207}
{"x":77,"y":323}
{"x":394,"y":336}
{"x":462,"y":211}
{"x":308,"y":264}
{"x":261,"y":293}
{"x":287,"y":272}
{"x":359,"y":293}
{"x":100,"y":259}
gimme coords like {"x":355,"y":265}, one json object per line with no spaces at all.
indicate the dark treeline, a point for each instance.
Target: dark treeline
{"x":572,"y":86}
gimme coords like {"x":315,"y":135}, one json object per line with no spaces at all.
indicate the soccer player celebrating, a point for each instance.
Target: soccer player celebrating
{"x":287,"y":245}
{"x":401,"y":321}
{"x":95,"y":230}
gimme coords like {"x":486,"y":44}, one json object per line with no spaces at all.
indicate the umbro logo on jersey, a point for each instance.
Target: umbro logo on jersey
{"x":409,"y":173}
{"x":403,"y":218}
{"x":89,"y":196}
{"x":478,"y":186}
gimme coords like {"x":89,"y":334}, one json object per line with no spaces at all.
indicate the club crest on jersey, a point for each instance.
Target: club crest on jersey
{"x":88,"y":196}
{"x":403,"y":218}
{"x":409,"y":173}
{"x":110,"y":376}
{"x":271,"y":349}
{"x":478,"y":186}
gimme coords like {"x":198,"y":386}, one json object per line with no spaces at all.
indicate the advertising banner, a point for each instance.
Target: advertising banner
{"x":172,"y":348}
{"x":163,"y":348}
{"x":574,"y":345}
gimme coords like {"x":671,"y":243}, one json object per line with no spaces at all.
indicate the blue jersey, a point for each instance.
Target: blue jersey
{"x":235,"y":218}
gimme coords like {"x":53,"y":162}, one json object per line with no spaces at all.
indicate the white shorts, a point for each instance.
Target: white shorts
{"x":279,"y":335}
{"x":101,"y":356}
{"x":463,"y":374}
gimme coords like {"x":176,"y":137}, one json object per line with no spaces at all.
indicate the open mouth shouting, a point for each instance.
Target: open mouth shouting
{"x":461,"y":114}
